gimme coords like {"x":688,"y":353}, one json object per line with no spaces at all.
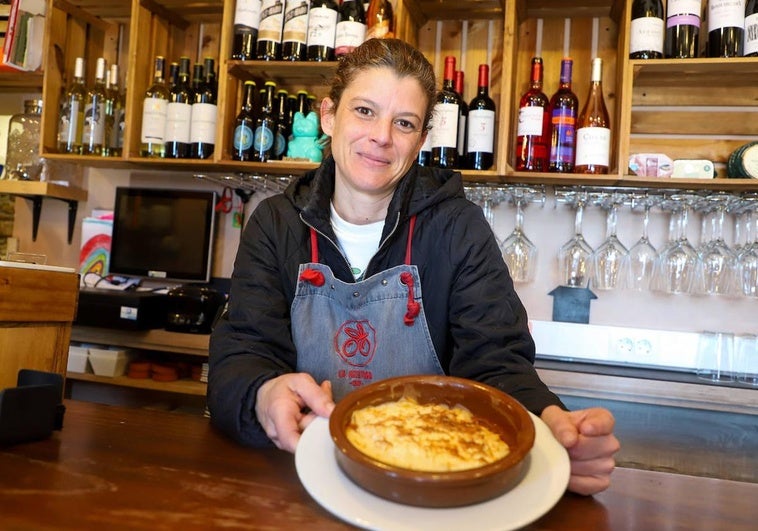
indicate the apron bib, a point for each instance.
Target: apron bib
{"x":354,"y":334}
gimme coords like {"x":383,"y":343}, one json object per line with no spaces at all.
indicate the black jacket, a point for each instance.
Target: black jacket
{"x":477,"y":323}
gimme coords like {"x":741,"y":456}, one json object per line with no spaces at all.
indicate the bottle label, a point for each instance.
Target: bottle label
{"x":203,"y":127}
{"x":295,"y":22}
{"x":725,"y":14}
{"x":427,"y":145}
{"x":461,"y":135}
{"x":178,"y":117}
{"x":270,"y":27}
{"x":564,"y":136}
{"x":263,"y":139}
{"x":445,"y":131}
{"x":243,"y":137}
{"x":683,"y":7}
{"x":349,"y":35}
{"x":683,"y":20}
{"x":593,"y":146}
{"x":94,"y":124}
{"x":530,"y":121}
{"x":751,"y":34}
{"x":154,"y":112}
{"x":481,"y":131}
{"x":69,"y":123}
{"x":646,"y":35}
{"x":322,"y":26}
{"x":247,"y":13}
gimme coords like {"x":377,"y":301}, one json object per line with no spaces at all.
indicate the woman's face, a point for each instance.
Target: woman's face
{"x":376,"y":130}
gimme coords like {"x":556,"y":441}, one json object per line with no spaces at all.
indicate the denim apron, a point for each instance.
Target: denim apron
{"x":358,"y":333}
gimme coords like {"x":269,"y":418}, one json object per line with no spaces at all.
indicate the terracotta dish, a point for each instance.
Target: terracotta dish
{"x":502,"y":413}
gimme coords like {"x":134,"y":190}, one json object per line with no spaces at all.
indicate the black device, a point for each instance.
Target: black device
{"x":193,"y":309}
{"x":125,"y":310}
{"x":33,"y":409}
{"x":163,"y":234}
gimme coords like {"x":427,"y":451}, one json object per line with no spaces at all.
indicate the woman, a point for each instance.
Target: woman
{"x":372,"y":266}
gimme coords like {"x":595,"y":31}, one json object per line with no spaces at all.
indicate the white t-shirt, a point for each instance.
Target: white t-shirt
{"x":358,"y":242}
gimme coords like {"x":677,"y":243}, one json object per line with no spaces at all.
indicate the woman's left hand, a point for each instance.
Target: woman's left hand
{"x":587,"y":434}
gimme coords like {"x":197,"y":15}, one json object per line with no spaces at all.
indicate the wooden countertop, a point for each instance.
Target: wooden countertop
{"x":116,"y":468}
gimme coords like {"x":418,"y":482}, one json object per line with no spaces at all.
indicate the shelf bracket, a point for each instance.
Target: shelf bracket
{"x":37,"y":211}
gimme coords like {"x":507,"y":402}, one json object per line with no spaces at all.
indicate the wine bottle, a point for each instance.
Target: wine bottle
{"x":282,"y":126}
{"x":425,"y":152}
{"x":533,"y":124}
{"x":71,"y":120}
{"x":247,"y":14}
{"x":322,"y":27}
{"x":114,"y":115}
{"x":563,"y":109}
{"x":481,"y":125}
{"x":244,"y":124}
{"x":295,"y":32}
{"x":593,"y":135}
{"x":204,"y":114}
{"x":726,"y":19}
{"x":264,"y":134}
{"x":462,"y":116}
{"x":269,"y":47}
{"x":445,"y":131}
{"x":179,"y":114}
{"x":750,"y":48}
{"x":351,"y":27}
{"x":197,"y":77}
{"x":646,"y":34}
{"x":682,"y":29}
{"x":93,"y":131}
{"x":380,"y":20}
{"x":154,"y":109}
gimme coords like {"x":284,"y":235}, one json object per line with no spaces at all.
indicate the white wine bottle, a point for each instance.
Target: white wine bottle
{"x":71,"y":121}
{"x":593,"y":135}
{"x":154,"y":111}
{"x":93,"y":133}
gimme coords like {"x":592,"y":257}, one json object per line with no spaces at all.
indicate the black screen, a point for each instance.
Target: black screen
{"x":163,"y":234}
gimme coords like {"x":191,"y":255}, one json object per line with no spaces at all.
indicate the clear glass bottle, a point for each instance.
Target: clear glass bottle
{"x":93,"y":133}
{"x":22,"y":160}
{"x":71,"y":120}
{"x":154,"y":112}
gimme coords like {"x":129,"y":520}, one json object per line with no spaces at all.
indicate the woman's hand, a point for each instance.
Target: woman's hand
{"x":587,"y":434}
{"x":287,"y":404}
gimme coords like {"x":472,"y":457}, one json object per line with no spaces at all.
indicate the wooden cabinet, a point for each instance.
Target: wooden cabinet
{"x":698,"y":108}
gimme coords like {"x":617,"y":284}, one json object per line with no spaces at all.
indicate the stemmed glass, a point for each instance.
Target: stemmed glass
{"x":640,"y":260}
{"x":487,"y":197}
{"x":676,"y":264}
{"x":716,"y":261}
{"x":609,"y":256}
{"x":519,"y":253}
{"x":575,"y":256}
{"x":747,"y":257}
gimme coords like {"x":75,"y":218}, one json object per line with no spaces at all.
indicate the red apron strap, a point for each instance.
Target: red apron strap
{"x":314,"y":246}
{"x":411,"y":226}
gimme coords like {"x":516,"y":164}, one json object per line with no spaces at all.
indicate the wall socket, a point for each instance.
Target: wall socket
{"x":626,"y":345}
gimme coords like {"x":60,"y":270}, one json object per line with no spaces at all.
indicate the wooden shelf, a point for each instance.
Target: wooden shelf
{"x":21,"y":81}
{"x":576,"y":179}
{"x":45,"y":189}
{"x":157,"y":339}
{"x":184,"y":386}
{"x":568,"y":8}
{"x":284,"y":72}
{"x":702,"y":73}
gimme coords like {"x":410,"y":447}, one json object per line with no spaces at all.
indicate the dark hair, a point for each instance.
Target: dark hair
{"x":401,"y":57}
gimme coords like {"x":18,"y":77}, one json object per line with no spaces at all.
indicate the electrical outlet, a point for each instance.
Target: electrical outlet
{"x":628,"y":346}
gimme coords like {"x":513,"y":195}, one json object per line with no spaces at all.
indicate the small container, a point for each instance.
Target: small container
{"x":109,"y":362}
{"x":22,"y":160}
{"x":78,"y":359}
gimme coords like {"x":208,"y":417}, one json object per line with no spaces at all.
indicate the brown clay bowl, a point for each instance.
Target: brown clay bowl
{"x":504,"y":415}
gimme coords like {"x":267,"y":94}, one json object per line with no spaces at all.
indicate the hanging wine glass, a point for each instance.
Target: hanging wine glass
{"x":640,"y":261}
{"x":716,"y":261}
{"x":487,"y":197}
{"x":519,"y":253}
{"x":676,"y":264}
{"x":609,"y":256}
{"x":747,"y":258}
{"x":575,"y":256}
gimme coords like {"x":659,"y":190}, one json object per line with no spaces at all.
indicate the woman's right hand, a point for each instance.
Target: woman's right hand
{"x":285,"y":405}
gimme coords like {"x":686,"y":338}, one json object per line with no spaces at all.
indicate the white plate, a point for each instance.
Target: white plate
{"x":543,"y":485}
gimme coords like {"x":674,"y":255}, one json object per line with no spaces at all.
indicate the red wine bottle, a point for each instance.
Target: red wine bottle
{"x":750,"y":48}
{"x":646,"y":34}
{"x":593,"y":135}
{"x":246,"y":18}
{"x":682,"y":29}
{"x":462,"y":117}
{"x":726,"y":20}
{"x":563,"y":109}
{"x":322,"y":27}
{"x":481,"y":125}
{"x":533,"y":125}
{"x":445,"y":130}
{"x":351,"y":28}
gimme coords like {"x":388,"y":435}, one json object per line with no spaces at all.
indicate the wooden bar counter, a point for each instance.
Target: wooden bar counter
{"x":117,"y":468}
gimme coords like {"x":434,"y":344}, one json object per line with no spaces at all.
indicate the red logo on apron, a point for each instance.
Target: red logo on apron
{"x":355,"y":342}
